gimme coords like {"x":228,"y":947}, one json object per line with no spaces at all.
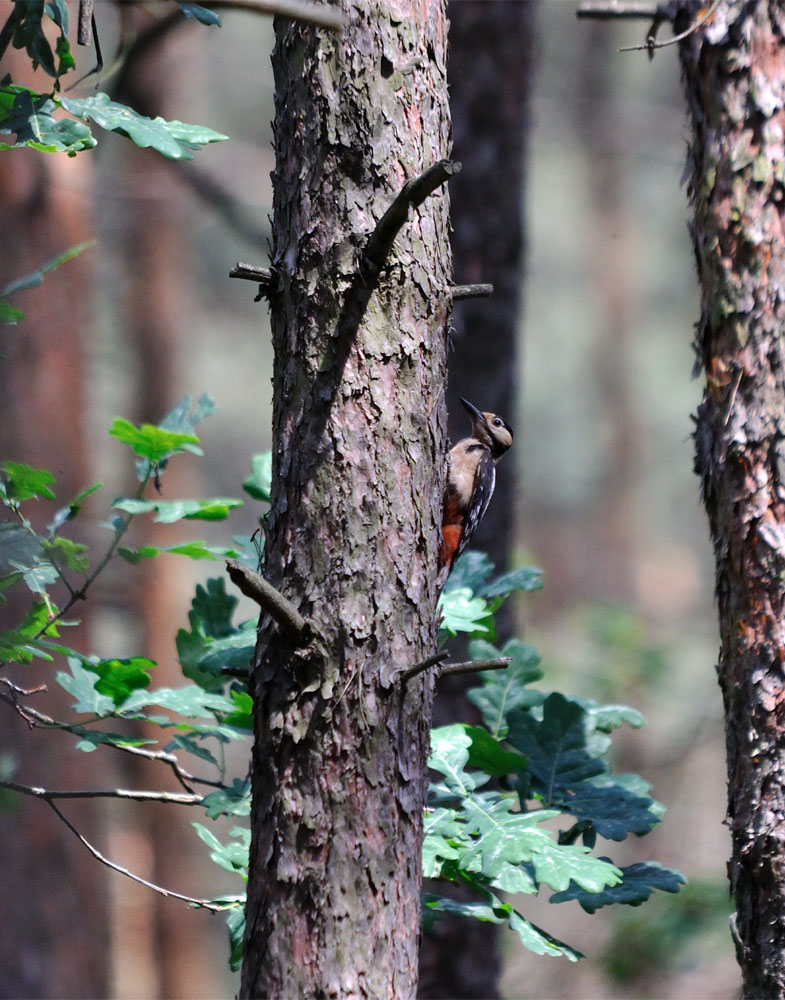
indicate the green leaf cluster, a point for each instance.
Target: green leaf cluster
{"x":470,"y":598}
{"x":38,"y":120}
{"x":536,"y":759}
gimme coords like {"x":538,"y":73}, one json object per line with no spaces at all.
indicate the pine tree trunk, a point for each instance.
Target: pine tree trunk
{"x":734,"y":71}
{"x":339,"y":772}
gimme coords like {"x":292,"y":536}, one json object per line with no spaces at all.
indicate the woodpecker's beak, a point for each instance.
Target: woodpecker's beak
{"x":472,"y":410}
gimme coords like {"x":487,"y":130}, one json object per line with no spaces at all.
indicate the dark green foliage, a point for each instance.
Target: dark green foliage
{"x":639,"y":882}
{"x":499,"y":787}
{"x":549,"y":751}
{"x":31,"y":116}
{"x":214,"y":641}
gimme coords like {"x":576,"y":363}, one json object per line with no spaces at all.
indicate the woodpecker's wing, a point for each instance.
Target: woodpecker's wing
{"x":482,"y":491}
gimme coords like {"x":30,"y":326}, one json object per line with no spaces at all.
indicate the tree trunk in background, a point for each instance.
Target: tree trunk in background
{"x":604,"y":549}
{"x":339,"y":767}
{"x":734,"y":75}
{"x":153,"y":235}
{"x":55,"y":945}
{"x":490,"y":73}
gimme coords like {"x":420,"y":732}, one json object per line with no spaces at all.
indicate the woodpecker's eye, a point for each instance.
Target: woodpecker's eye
{"x":498,"y":422}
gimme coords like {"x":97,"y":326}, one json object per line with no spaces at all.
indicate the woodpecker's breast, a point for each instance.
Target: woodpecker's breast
{"x":465,"y":459}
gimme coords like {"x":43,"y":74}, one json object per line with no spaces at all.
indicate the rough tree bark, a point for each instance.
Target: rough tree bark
{"x":734,"y":75}
{"x":358,"y":445}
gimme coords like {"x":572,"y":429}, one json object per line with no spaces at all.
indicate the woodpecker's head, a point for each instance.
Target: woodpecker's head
{"x":490,"y":429}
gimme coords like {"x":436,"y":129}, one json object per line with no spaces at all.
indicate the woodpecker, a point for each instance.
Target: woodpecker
{"x":471,"y":478}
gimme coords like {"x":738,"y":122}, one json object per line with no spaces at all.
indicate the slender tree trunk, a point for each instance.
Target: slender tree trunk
{"x":339,"y":770}
{"x":53,"y":904}
{"x":490,"y":75}
{"x":734,"y":73}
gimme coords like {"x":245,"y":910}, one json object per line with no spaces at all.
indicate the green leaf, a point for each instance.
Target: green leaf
{"x":615,"y":807}
{"x":81,"y":683}
{"x":489,"y":755}
{"x":16,"y":645}
{"x":200,"y":13}
{"x":39,"y":577}
{"x":76,"y":504}
{"x":232,"y":801}
{"x":527,"y":578}
{"x":556,"y":748}
{"x":91,"y":739}
{"x":28,"y":34}
{"x":450,"y":755}
{"x":29,"y":115}
{"x":242,"y":717}
{"x":234,"y":650}
{"x":19,"y":550}
{"x":494,"y":911}
{"x":65,"y":553}
{"x":211,"y":625}
{"x":191,"y":745}
{"x":119,"y":678}
{"x":232,"y":856}
{"x":235,"y":923}
{"x":557,"y":865}
{"x":638,"y":882}
{"x":606,"y":718}
{"x":183,"y":420}
{"x":441,"y":832}
{"x":538,"y":941}
{"x":23,"y":482}
{"x":258,"y":484}
{"x":471,"y":571}
{"x":196,"y":549}
{"x":461,"y":611}
{"x":153,"y":443}
{"x":213,"y":608}
{"x":502,"y":691}
{"x":172,"y":139}
{"x":8,"y":314}
{"x":169,"y":511}
{"x":36,"y":278}
{"x":190,"y":701}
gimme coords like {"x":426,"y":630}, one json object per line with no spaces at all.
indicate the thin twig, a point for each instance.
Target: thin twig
{"x":475,"y":666}
{"x":177,"y":798}
{"x":34,"y":718}
{"x":651,"y":43}
{"x":606,"y":9}
{"x":270,"y":600}
{"x":412,"y":194}
{"x":471,"y":292}
{"x":320,"y":15}
{"x":80,"y":594}
{"x":85,"y":17}
{"x":423,"y":665}
{"x":446,"y":669}
{"x":204,"y":903}
{"x":268,"y":278}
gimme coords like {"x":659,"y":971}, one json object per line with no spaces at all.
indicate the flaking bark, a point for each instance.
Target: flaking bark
{"x":734,"y":73}
{"x":358,"y":446}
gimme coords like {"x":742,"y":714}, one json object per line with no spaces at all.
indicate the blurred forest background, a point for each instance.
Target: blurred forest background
{"x":606,"y":500}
